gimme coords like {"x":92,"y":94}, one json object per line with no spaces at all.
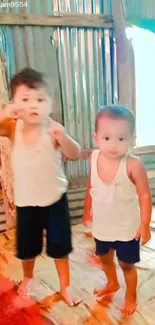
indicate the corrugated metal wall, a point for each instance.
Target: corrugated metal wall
{"x":85,"y":62}
{"x":148,"y":160}
{"x":86,"y":59}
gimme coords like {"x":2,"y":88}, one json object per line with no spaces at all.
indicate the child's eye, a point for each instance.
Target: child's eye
{"x":121,"y":139}
{"x":25,"y":99}
{"x":107,"y":138}
{"x":40,"y":100}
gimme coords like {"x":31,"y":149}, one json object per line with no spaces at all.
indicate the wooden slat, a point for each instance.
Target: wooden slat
{"x":69,"y":20}
{"x":86,"y":273}
{"x":86,"y":153}
{"x":145,"y":150}
{"x":76,"y":182}
{"x":3,"y":226}
{"x":2,"y":218}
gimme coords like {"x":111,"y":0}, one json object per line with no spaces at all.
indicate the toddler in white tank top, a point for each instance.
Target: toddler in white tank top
{"x":121,"y":202}
{"x":39,"y":182}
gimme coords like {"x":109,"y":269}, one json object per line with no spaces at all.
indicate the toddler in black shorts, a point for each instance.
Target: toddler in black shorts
{"x":39,"y":182}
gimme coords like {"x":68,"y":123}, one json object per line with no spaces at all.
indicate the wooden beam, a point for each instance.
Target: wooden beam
{"x":144,"y":150}
{"x":86,"y":153}
{"x":78,"y":182}
{"x":69,"y":20}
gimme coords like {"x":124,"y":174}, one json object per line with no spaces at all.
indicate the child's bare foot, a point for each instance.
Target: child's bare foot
{"x":130,"y":304}
{"x":109,"y":288}
{"x":23,"y":287}
{"x":106,"y":300}
{"x":68,"y":299}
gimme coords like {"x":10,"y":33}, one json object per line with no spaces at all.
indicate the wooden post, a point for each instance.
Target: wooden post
{"x":125,"y":57}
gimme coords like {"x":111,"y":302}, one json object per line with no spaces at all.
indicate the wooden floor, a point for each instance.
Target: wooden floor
{"x":86,"y":274}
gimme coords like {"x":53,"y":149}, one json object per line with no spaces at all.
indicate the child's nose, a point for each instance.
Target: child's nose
{"x":34,"y":105}
{"x":114,"y":144}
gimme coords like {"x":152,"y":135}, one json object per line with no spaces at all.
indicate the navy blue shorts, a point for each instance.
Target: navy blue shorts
{"x":127,"y":252}
{"x":31,"y":221}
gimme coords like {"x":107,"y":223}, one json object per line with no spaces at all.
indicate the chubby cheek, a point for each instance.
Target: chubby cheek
{"x":124,"y":147}
{"x":97,"y":140}
{"x":103,"y":145}
{"x":22,"y":104}
{"x":45,"y":111}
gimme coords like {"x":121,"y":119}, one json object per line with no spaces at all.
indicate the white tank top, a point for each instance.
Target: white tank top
{"x":116,"y":214}
{"x":38,"y":177}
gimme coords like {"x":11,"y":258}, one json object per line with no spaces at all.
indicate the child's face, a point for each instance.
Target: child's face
{"x":34,"y":104}
{"x":113,"y":137}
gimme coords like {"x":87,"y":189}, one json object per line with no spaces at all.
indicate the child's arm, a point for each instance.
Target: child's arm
{"x":87,"y":216}
{"x":70,"y":148}
{"x":87,"y":206}
{"x":140,"y":179}
{"x":85,"y":155}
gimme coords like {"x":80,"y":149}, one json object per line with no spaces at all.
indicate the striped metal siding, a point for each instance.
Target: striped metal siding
{"x":88,"y":79}
{"x":149,"y":163}
{"x":48,"y":7}
{"x":85,"y":62}
{"x":87,"y":85}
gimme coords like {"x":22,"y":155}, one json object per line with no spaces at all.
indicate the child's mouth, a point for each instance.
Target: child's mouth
{"x":113,"y":152}
{"x":34,"y":114}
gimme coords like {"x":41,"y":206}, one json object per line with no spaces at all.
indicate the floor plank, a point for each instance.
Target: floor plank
{"x":86,"y":274}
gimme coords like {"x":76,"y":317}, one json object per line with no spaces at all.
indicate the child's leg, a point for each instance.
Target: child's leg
{"x":28,"y":268}
{"x":130,"y":275}
{"x":63,"y":269}
{"x":29,"y":241}
{"x":128,"y":254}
{"x":59,"y":244}
{"x":109,"y":268}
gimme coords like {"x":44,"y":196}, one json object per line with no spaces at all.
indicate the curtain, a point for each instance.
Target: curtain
{"x":5,"y":147}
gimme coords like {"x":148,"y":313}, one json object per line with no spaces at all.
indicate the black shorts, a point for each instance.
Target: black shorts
{"x":127,"y":252}
{"x":31,"y":221}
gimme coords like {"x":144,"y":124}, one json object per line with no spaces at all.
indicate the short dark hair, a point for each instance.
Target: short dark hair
{"x":117,"y":112}
{"x":29,"y":77}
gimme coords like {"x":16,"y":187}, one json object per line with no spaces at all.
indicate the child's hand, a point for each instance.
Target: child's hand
{"x":143,"y":232}
{"x":69,"y":147}
{"x":56,"y":130}
{"x":64,"y":158}
{"x":12,"y":111}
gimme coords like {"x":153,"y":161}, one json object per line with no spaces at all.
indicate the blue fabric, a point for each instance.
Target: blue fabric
{"x":127,"y":252}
